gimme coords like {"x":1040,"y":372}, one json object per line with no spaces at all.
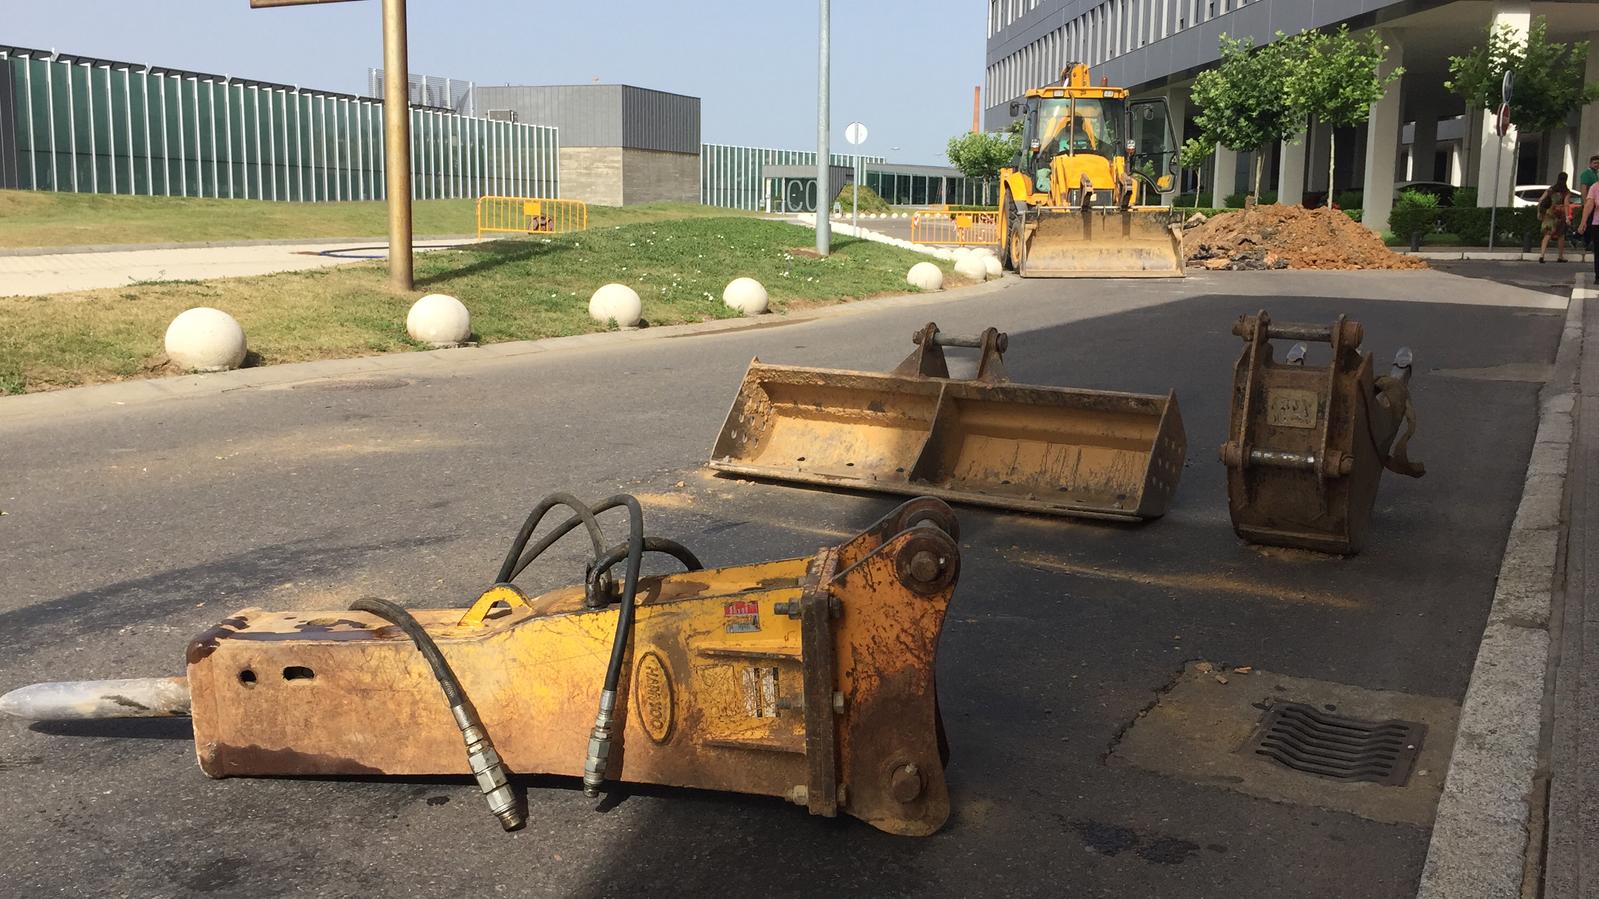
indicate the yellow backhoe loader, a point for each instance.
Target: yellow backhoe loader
{"x":1078,"y":203}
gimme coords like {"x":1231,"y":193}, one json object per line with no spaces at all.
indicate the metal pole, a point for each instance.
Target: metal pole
{"x":824,"y":197}
{"x":855,"y":198}
{"x":1499,"y":164}
{"x":397,"y":142}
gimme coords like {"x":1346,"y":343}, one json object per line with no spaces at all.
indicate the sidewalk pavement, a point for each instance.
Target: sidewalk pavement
{"x":34,"y":275}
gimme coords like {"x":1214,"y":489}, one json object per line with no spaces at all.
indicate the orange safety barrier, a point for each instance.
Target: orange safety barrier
{"x":530,"y":215}
{"x":955,"y":229}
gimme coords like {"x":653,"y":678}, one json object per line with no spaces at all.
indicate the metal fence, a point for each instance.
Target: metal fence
{"x":941,"y":227}
{"x":97,"y":126}
{"x":730,"y":176}
{"x":530,"y":215}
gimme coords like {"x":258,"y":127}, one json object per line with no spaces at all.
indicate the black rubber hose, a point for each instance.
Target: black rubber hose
{"x":624,"y":617}
{"x":559,"y":531}
{"x":402,"y":619}
{"x":509,"y":568}
{"x":651,"y":545}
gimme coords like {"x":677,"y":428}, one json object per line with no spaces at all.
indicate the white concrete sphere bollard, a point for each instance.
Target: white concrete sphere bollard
{"x":747,"y":295}
{"x":205,"y":339}
{"x":926,"y":276}
{"x":619,"y":302}
{"x":439,"y":320}
{"x":996,"y":269}
{"x":971,"y":266}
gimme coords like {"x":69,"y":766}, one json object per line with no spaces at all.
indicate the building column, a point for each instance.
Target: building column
{"x":1383,"y":131}
{"x":1588,"y":128}
{"x":1457,"y":164}
{"x":1424,"y":144}
{"x":1500,"y":151}
{"x":1224,"y":182}
{"x":1317,"y":157}
{"x":1291,"y":170}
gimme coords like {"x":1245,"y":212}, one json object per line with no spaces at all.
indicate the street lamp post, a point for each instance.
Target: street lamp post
{"x":824,"y":198}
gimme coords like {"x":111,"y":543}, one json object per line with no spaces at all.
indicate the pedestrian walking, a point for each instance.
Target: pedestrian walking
{"x":1586,"y":181}
{"x":1587,"y":224}
{"x":1554,"y":214}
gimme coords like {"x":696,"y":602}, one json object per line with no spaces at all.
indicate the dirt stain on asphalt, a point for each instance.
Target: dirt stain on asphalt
{"x":1195,"y":581}
{"x":677,"y":500}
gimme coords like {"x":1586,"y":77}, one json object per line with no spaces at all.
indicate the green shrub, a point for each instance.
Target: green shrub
{"x":1415,"y":199}
{"x":1354,"y":214}
{"x":1187,"y":201}
{"x":1236,"y":201}
{"x":1442,"y":240}
{"x":1467,"y":223}
{"x":1465,"y":196}
{"x":1350,"y":199}
{"x":1389,"y":238}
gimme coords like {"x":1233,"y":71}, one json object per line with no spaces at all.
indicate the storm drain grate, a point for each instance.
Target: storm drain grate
{"x":1304,"y":738}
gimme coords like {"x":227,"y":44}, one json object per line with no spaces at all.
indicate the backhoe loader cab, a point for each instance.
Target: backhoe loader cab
{"x":1079,"y":200}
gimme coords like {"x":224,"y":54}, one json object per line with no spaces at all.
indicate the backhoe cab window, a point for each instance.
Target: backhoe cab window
{"x":1076,"y":127}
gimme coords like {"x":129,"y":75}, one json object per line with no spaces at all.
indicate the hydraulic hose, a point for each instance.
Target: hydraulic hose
{"x":600,"y":737}
{"x":481,"y":755}
{"x":651,"y":545}
{"x":509,"y":568}
{"x":561,"y":530}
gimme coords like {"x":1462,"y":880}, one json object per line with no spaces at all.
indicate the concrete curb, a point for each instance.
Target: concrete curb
{"x":209,"y":244}
{"x":1480,"y":835}
{"x":121,"y":394}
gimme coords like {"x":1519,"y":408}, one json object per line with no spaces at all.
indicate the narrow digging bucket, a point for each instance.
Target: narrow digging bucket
{"x":984,"y":441}
{"x":1139,"y":243}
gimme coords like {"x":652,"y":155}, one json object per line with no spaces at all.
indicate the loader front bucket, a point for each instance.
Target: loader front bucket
{"x":985,"y":441}
{"x":1103,"y":243}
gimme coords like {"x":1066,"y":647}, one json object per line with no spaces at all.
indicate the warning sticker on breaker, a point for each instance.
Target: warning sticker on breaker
{"x":742,"y":616}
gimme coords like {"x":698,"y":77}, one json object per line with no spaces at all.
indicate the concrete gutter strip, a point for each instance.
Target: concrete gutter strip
{"x":137,"y":392}
{"x":1481,"y":833}
{"x":208,"y":244}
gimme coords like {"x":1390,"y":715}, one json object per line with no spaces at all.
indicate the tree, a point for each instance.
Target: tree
{"x":1242,"y":102}
{"x":1550,"y":78}
{"x":1335,"y":78}
{"x":981,"y":155}
{"x":1192,"y":155}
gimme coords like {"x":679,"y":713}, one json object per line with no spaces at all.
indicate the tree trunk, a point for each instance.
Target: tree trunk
{"x":1332,"y":162}
{"x":1260,"y":163}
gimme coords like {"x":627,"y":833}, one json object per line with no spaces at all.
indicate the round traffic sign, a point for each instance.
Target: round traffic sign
{"x":855,"y":133}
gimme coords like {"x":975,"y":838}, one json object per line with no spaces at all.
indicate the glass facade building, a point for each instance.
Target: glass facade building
{"x":98,"y":126}
{"x":731,"y":177}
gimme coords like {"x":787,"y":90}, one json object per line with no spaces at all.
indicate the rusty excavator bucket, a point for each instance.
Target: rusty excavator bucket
{"x":809,"y":679}
{"x":916,"y":430}
{"x":1307,"y":444}
{"x":1102,"y":243}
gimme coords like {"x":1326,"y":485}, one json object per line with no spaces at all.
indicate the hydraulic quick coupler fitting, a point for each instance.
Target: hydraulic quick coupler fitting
{"x":487,"y":769}
{"x":599,"y":746}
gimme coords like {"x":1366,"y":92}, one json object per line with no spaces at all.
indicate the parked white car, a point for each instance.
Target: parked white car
{"x":1528,"y":195}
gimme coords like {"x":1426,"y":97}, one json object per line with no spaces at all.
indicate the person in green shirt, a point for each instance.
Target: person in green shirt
{"x":1588,"y":178}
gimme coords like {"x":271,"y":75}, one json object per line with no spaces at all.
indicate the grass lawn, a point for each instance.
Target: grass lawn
{"x":44,"y":219}
{"x":516,"y":289}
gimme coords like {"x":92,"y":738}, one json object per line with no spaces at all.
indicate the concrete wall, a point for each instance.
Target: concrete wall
{"x":592,"y":174}
{"x":620,"y":176}
{"x":603,"y":115}
{"x":653,"y":176}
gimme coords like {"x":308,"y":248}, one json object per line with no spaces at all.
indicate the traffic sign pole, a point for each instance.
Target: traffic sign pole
{"x":856,"y":135}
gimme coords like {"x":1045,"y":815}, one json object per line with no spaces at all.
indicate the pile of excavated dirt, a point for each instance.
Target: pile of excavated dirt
{"x":1268,"y":237}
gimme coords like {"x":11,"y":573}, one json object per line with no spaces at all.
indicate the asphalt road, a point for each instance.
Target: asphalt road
{"x":128,"y":531}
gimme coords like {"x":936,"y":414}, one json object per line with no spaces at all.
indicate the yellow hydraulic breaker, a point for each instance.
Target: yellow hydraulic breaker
{"x":809,"y":679}
{"x":1307,"y":444}
{"x":984,"y":440}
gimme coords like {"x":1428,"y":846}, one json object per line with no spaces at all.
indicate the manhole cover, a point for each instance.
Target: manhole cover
{"x":1304,"y":738}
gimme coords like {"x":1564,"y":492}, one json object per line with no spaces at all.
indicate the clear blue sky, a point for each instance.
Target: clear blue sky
{"x":904,"y":67}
